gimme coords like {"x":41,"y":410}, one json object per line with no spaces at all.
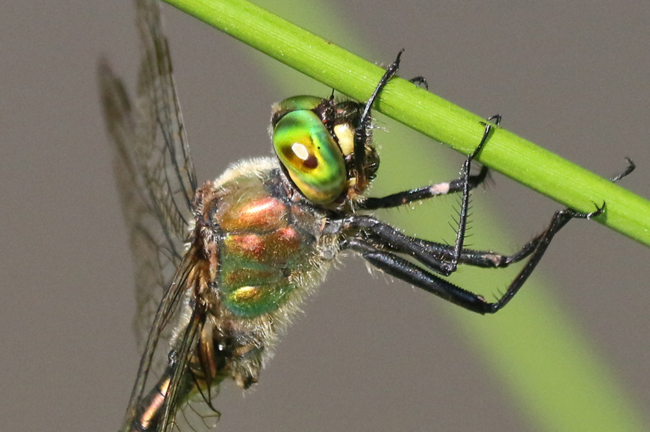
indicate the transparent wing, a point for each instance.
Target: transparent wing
{"x":162,"y":276}
{"x":156,"y":251}
{"x":168,"y":164}
{"x":155,"y":177}
{"x":165,"y":396}
{"x":156,"y":183}
{"x":185,"y":409}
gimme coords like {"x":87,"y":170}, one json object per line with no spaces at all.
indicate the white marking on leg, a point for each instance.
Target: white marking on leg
{"x":440,"y":189}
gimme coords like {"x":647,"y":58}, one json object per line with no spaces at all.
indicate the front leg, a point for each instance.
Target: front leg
{"x":409,"y":196}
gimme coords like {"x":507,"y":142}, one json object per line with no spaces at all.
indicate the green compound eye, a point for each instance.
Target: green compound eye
{"x":297,"y":103}
{"x":311,"y":156}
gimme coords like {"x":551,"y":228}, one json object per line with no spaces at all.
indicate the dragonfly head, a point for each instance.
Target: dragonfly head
{"x":314,"y":140}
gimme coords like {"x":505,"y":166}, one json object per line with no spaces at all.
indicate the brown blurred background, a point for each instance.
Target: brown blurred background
{"x":573,"y":77}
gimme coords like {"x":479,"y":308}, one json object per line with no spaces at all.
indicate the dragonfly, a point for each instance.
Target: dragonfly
{"x":221,"y":268}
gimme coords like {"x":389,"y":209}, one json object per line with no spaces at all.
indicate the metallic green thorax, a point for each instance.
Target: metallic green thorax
{"x":267,"y":254}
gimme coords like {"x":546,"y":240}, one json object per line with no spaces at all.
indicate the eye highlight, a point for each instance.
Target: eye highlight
{"x":309,"y":161}
{"x":311,"y":156}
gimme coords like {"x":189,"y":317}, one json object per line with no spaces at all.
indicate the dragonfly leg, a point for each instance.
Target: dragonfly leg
{"x":464,"y":206}
{"x":432,"y":254}
{"x":380,"y":244}
{"x":491,"y":259}
{"x":420,"y":81}
{"x":384,"y":236}
{"x":409,"y":196}
{"x":362,"y":131}
{"x":394,"y":265}
{"x":463,"y":184}
{"x":400,"y":268}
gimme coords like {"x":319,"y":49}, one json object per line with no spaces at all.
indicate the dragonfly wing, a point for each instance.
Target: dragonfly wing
{"x":155,"y":251}
{"x":156,"y":183}
{"x":168,"y":164}
{"x":156,"y":404}
{"x":156,"y":177}
{"x":196,"y":416}
{"x":174,"y":402}
{"x":181,"y":379}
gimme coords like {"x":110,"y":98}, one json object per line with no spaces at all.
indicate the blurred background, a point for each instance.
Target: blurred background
{"x":367,"y":354}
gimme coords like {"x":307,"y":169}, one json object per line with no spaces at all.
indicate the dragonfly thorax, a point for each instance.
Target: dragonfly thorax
{"x":268,"y":250}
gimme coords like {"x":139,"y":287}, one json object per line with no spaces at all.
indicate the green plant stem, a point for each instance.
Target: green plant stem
{"x":427,"y":113}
